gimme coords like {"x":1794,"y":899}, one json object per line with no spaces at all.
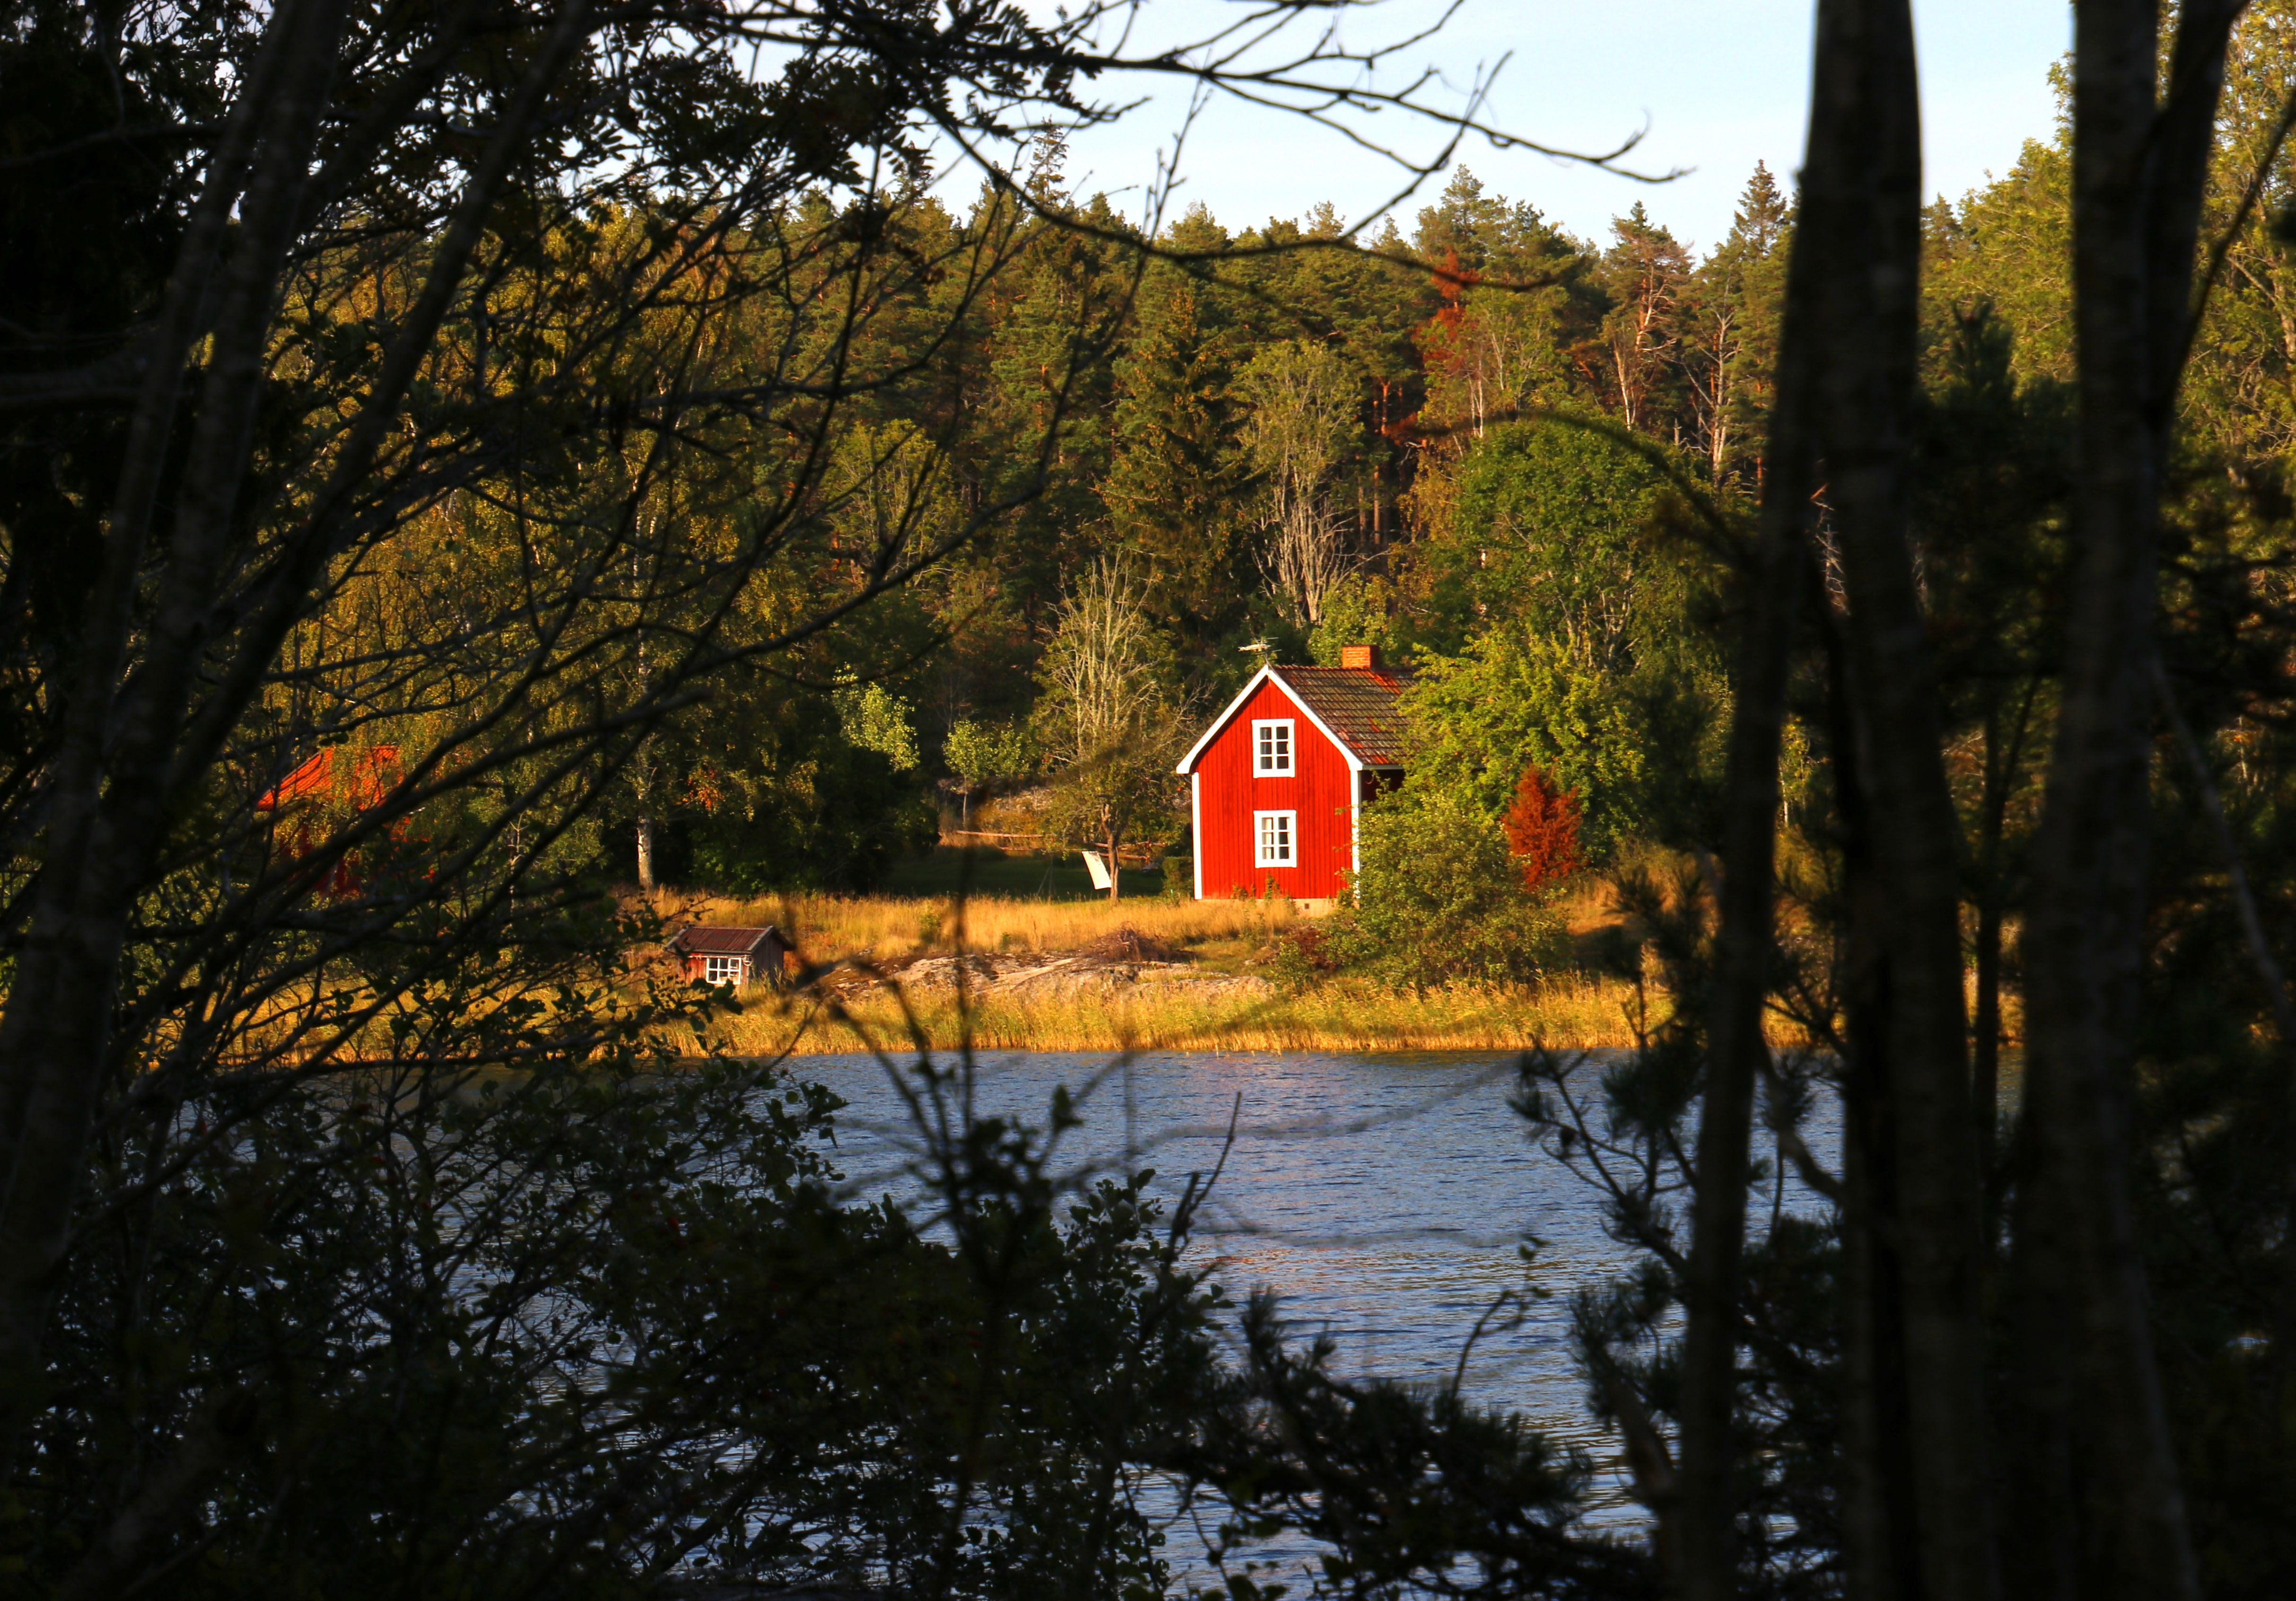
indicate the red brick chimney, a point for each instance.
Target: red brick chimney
{"x":1360,"y":655}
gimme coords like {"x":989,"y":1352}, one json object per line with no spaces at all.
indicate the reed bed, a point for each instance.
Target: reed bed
{"x":828,"y":927}
{"x":1572,"y":1013}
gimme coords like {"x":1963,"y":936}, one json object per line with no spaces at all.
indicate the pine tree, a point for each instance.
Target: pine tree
{"x":1730,"y":332}
{"x":1517,"y":297}
{"x":1645,"y":272}
{"x":1175,"y":482}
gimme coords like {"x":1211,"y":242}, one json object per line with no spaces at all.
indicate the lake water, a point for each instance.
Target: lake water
{"x":1382,"y":1197}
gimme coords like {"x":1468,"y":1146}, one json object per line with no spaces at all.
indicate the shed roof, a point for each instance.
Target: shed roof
{"x":1355,"y":706}
{"x":725,"y":941}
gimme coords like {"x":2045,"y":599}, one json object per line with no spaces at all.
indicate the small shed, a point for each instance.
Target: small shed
{"x":1277,"y":783}
{"x":732,"y":955}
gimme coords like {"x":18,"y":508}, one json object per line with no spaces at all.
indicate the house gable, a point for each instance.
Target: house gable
{"x":1266,"y":675}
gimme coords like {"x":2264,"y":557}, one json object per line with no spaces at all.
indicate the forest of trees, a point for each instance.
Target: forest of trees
{"x":597,"y":434}
{"x":1289,"y":437}
{"x":1286,"y":439}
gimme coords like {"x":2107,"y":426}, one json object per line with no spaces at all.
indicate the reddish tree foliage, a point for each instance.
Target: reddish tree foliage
{"x":1542,"y":830}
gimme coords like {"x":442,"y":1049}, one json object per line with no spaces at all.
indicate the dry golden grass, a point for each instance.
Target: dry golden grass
{"x":1180,"y":1013}
{"x":830,"y":927}
{"x":1569,"y":1012}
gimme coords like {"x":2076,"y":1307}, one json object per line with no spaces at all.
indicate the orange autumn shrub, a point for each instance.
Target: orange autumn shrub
{"x":1542,"y":830}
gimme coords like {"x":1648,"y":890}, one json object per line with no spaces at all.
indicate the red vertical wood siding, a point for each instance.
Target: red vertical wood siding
{"x":1317,"y":789}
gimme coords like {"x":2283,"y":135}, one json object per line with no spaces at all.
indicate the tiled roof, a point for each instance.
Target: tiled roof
{"x":723,"y":941}
{"x":1357,"y":704}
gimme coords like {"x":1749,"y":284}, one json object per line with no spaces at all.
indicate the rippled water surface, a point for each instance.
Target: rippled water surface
{"x":1384,"y":1197}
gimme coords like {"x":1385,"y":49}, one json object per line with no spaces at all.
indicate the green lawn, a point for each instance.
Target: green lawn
{"x":983,"y":870}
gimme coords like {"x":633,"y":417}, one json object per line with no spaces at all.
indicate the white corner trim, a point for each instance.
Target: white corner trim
{"x":1355,"y":828}
{"x":1196,"y":830}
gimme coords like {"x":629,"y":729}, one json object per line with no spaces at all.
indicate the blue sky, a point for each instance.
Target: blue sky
{"x":1720,"y":86}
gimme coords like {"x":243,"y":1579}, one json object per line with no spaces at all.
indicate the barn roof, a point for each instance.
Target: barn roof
{"x":724,"y":941}
{"x":1356,"y":707}
{"x":371,"y":776}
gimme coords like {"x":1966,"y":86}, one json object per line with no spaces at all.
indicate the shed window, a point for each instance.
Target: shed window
{"x":725,"y":970}
{"x":1274,"y":831}
{"x":1271,"y":745}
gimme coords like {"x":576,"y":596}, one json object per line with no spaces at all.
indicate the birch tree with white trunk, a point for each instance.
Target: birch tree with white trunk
{"x":1302,"y":427}
{"x":1110,"y":718}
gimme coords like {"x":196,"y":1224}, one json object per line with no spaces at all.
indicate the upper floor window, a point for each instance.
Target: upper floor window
{"x":1271,"y":745}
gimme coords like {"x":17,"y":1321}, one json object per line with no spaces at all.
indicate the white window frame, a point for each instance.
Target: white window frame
{"x":1261,"y":759}
{"x":1259,"y":843}
{"x":725,"y":970}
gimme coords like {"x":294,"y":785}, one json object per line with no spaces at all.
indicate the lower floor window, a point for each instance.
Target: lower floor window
{"x":1274,"y":830}
{"x":724,"y":970}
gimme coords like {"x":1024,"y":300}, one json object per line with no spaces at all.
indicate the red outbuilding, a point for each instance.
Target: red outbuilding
{"x":1276,"y":783}
{"x":731,"y":956}
{"x":359,"y":781}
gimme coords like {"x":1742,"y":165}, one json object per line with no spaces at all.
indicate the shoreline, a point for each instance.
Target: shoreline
{"x":1113,"y":1013}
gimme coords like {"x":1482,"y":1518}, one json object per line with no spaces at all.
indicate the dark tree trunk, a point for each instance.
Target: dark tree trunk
{"x":2005,"y":763}
{"x":1985,"y":1031}
{"x":1914,"y":1232}
{"x":1699,"y":1525}
{"x":2099,"y":1509}
{"x":122,"y":727}
{"x":134,"y":740}
{"x":1914,"y":1424}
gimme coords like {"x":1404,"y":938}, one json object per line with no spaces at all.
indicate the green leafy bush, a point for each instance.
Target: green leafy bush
{"x":1517,"y":698}
{"x":1179,"y":875}
{"x":460,"y":1334}
{"x":1300,"y":958}
{"x":1565,"y":626}
{"x":874,"y":718}
{"x":1358,"y":611}
{"x":982,"y":755}
{"x":1437,"y":898}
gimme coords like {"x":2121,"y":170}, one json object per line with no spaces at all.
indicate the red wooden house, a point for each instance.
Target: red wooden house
{"x":359,"y":780}
{"x":1278,"y":782}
